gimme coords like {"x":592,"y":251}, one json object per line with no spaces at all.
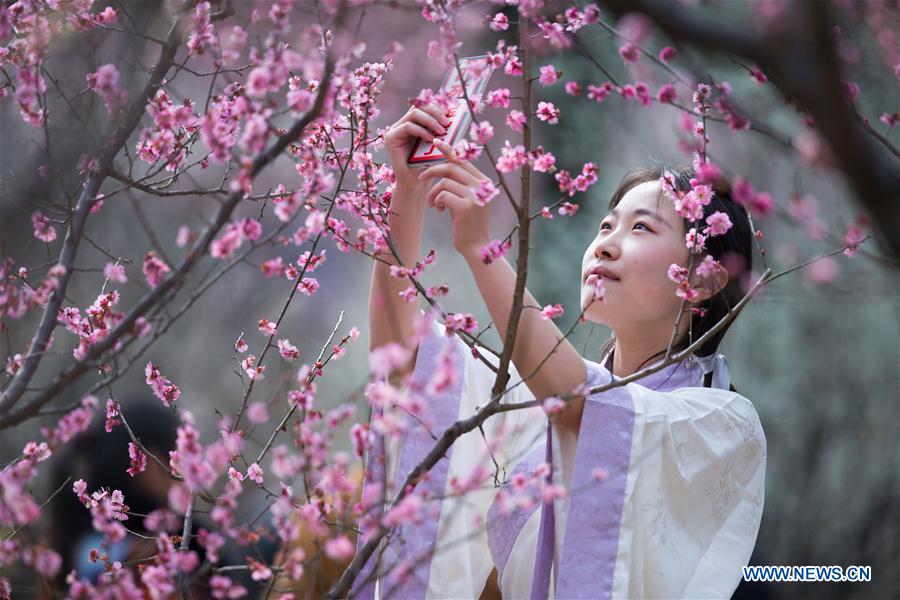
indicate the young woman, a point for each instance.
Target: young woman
{"x":665,"y":475}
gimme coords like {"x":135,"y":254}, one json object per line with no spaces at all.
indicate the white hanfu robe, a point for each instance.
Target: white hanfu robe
{"x":666,"y":481}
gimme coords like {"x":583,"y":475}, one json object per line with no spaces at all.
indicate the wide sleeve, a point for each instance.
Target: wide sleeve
{"x":667,"y":492}
{"x":447,"y":550}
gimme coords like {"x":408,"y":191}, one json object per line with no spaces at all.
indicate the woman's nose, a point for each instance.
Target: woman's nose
{"x":605,"y":249}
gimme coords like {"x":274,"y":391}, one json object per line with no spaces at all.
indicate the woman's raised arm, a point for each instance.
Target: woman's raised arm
{"x":391,"y":319}
{"x":536,"y":338}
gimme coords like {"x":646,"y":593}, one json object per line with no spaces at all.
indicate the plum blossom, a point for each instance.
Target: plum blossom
{"x":287,"y":350}
{"x":464,"y":321}
{"x":43,"y":230}
{"x":112,"y":415}
{"x":162,"y":388}
{"x":223,"y":588}
{"x":339,"y":548}
{"x":257,"y":412}
{"x":255,"y":473}
{"x":553,"y":405}
{"x":482,"y":132}
{"x":549,"y":75}
{"x":629,"y":52}
{"x":266,"y":327}
{"x":308,"y":286}
{"x":498,"y":98}
{"x":598,"y":93}
{"x":667,"y":54}
{"x":494,"y":250}
{"x":567,"y":209}
{"x":708,"y":267}
{"x":499,"y":22}
{"x":542,"y":161}
{"x":573,"y":88}
{"x":115,"y":272}
{"x":552,"y":312}
{"x":485,"y":192}
{"x":690,"y":205}
{"x":854,"y":236}
{"x":388,"y":358}
{"x":511,"y":158}
{"x":105,"y":82}
{"x":555,"y":34}
{"x":154,"y":269}
{"x":202,"y":36}
{"x":254,"y":372}
{"x":361,"y":438}
{"x":547,"y":112}
{"x":694,"y":240}
{"x":667,"y":94}
{"x":138,"y":460}
{"x":515,"y":120}
{"x":718,"y":223}
{"x":678,"y":274}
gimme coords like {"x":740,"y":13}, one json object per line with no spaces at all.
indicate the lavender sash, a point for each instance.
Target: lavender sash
{"x":415,"y":543}
{"x":588,"y":561}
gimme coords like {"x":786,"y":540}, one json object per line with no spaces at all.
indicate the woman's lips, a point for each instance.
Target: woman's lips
{"x":593,"y":277}
{"x":599,"y":271}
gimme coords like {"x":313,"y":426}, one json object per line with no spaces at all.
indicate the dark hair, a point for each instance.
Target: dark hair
{"x":734,"y":250}
{"x":101,"y":459}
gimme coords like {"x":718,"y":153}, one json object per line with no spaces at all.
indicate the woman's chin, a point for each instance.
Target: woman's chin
{"x":594,"y":310}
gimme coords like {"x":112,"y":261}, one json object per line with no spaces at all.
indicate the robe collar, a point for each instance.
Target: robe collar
{"x":690,"y":372}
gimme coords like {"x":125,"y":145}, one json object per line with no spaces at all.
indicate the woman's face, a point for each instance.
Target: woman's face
{"x":637,"y":242}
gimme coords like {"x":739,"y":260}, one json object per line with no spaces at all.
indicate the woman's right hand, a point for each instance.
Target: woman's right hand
{"x":425,"y":123}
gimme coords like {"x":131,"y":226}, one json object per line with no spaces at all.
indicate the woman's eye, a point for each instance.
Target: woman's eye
{"x":644,"y":225}
{"x":602,"y":224}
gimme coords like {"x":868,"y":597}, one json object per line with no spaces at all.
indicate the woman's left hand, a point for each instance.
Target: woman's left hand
{"x":456,"y":193}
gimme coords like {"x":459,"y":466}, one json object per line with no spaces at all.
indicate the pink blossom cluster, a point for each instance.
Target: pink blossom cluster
{"x":485,"y":192}
{"x":172,"y":127}
{"x":137,"y":460}
{"x":108,"y":510}
{"x":511,"y":158}
{"x":679,"y":275}
{"x":548,"y":75}
{"x":401,"y":272}
{"x":202,"y":36}
{"x":43,"y":230}
{"x":98,"y":321}
{"x":525,"y":490}
{"x":553,"y":311}
{"x":541,"y":160}
{"x":548,"y":113}
{"x":200,"y":467}
{"x":759,"y":203}
{"x":236,"y":233}
{"x":105,"y":83}
{"x":494,"y":250}
{"x":464,"y":321}
{"x":580,"y":183}
{"x":576,"y":18}
{"x":638,"y":91}
{"x":162,"y":388}
{"x":218,"y":127}
{"x":16,"y":301}
{"x":254,"y":371}
{"x":154,"y":269}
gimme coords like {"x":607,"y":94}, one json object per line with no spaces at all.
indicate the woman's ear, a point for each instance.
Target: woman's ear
{"x":709,"y":285}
